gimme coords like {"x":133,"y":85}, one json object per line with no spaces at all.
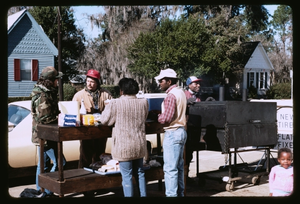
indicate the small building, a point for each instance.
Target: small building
{"x":256,"y":74}
{"x":258,"y":69}
{"x":29,"y":51}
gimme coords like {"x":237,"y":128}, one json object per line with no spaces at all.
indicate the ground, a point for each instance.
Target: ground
{"x":209,"y":162}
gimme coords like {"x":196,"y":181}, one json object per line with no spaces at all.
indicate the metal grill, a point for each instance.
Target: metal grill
{"x":238,"y":124}
{"x":245,"y":123}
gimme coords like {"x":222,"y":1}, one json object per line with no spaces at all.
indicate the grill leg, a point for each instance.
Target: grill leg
{"x":229,"y":165}
{"x":197,"y":163}
{"x":268,"y":160}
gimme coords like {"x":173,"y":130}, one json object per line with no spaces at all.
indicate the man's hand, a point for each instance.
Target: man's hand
{"x":153,"y":114}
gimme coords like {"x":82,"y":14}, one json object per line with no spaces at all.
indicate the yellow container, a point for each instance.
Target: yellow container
{"x":87,"y":119}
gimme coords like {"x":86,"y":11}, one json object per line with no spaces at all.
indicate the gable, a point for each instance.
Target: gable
{"x":259,"y":59}
{"x":25,"y":36}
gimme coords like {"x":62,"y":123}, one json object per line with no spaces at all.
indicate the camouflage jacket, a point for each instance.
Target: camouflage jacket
{"x":44,"y":108}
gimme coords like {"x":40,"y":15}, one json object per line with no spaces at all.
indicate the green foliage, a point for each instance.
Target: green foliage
{"x":279,"y":91}
{"x":182,"y":44}
{"x":69,"y":91}
{"x":282,"y":19}
{"x":206,"y":41}
{"x":114,"y":90}
{"x":252,"y":92}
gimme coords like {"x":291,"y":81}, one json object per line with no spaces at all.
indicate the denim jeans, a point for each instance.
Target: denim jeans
{"x":49,"y":153}
{"x":173,"y":147}
{"x":129,"y":169}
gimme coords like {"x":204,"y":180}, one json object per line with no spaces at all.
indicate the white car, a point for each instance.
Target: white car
{"x":22,"y":153}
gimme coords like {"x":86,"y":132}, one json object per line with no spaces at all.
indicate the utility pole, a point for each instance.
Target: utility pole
{"x":60,"y":81}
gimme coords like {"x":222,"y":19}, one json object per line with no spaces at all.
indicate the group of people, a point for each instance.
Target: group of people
{"x":127,"y":114}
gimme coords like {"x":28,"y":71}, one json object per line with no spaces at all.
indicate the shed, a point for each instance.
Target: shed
{"x":29,"y":51}
{"x":258,"y":68}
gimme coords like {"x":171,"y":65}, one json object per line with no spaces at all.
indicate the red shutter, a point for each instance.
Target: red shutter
{"x":17,"y":70}
{"x":35,"y":70}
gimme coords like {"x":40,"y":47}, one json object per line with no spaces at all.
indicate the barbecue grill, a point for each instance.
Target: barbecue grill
{"x":239,"y":126}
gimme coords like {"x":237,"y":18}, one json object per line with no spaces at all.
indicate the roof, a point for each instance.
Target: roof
{"x":253,"y":51}
{"x":248,"y":49}
{"x":14,"y":19}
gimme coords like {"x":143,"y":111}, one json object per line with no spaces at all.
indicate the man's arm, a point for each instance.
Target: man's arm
{"x":169,"y":104}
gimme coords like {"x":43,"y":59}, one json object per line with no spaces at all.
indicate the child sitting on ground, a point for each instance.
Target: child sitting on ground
{"x":281,"y":176}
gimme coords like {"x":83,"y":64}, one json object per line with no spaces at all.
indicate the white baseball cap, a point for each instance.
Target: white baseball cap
{"x":169,"y":73}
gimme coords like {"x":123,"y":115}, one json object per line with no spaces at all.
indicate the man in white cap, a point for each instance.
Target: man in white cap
{"x":173,"y":119}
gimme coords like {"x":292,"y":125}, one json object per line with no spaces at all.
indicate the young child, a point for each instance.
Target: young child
{"x":281,"y":176}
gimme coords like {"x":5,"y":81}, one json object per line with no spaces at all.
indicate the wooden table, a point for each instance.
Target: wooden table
{"x":80,"y":180}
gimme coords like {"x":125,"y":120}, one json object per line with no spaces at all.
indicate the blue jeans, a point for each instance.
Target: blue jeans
{"x":49,"y":153}
{"x":173,"y":147}
{"x":129,"y":169}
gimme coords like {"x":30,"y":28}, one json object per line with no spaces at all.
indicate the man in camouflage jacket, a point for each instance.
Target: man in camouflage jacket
{"x":44,"y":107}
{"x":44,"y":110}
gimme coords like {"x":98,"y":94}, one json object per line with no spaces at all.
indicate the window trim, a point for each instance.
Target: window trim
{"x":34,"y":70}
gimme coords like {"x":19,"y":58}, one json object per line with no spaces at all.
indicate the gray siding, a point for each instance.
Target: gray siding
{"x":24,"y":87}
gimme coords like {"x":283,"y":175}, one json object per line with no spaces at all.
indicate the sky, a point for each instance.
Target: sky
{"x":82,"y":21}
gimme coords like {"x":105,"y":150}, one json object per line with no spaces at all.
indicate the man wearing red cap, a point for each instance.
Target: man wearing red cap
{"x":93,"y":97}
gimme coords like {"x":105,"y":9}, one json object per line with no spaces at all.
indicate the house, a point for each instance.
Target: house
{"x":257,"y":72}
{"x":258,"y":69}
{"x":29,"y":51}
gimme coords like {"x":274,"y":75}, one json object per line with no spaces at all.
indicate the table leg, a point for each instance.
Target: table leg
{"x":41,"y":159}
{"x":60,"y":161}
{"x":60,"y":164}
{"x":158,"y":141}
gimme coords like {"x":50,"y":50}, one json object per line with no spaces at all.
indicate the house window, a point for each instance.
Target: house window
{"x":26,"y":69}
{"x":251,"y":79}
{"x":263,"y":76}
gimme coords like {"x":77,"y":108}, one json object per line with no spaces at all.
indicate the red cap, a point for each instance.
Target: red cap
{"x":93,"y":73}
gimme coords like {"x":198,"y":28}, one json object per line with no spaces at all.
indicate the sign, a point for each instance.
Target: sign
{"x":285,"y":127}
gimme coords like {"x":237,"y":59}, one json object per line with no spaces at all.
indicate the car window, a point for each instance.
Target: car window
{"x":16,"y":114}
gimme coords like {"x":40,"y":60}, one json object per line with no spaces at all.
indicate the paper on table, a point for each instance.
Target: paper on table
{"x":70,"y":107}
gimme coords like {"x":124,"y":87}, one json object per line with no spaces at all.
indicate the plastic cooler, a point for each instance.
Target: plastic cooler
{"x":155,"y":100}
